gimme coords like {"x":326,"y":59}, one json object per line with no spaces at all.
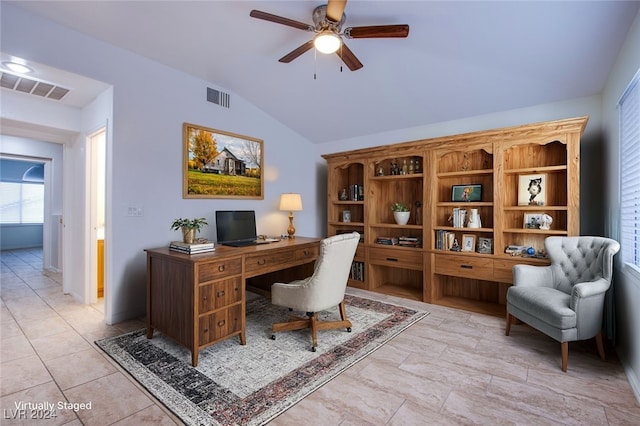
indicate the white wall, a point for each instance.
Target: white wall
{"x":150,"y":103}
{"x":626,"y":282}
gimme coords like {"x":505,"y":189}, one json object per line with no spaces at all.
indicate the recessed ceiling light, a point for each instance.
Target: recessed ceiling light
{"x":16,"y":67}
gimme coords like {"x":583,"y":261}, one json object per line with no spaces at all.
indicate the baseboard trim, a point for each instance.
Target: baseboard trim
{"x":633,"y":378}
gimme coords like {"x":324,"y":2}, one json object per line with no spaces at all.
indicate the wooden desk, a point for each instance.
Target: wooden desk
{"x":199,"y":300}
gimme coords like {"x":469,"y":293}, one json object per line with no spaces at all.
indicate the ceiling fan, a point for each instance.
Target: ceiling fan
{"x":327,"y":24}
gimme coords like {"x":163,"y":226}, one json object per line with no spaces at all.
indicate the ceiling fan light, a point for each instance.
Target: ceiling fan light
{"x":327,"y":42}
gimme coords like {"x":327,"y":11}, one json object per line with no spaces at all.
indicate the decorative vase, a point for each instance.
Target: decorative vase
{"x":188,"y":235}
{"x":474,"y":220}
{"x":401,"y":217}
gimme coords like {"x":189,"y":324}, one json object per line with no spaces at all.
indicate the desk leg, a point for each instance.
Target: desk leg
{"x":194,"y":357}
{"x":149,"y":331}
{"x":243,"y":337}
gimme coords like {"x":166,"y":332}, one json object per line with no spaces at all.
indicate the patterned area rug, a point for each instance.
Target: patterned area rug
{"x":251,"y":384}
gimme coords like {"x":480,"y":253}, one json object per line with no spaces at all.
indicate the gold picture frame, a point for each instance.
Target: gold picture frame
{"x":468,"y":242}
{"x":218,"y":164}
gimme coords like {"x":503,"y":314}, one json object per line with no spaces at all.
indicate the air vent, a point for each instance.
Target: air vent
{"x":34,"y":87}
{"x":217,"y":97}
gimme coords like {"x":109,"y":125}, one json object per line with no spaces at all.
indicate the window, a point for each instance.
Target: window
{"x":629,"y":112}
{"x":21,"y":202}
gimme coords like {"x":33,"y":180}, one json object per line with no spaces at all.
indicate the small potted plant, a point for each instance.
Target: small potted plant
{"x":189,"y":228}
{"x":400,"y":213}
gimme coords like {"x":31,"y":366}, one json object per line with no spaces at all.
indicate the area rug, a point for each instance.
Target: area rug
{"x":251,"y":384}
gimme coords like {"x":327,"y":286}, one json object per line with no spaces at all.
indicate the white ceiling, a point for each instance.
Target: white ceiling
{"x":461,"y":59}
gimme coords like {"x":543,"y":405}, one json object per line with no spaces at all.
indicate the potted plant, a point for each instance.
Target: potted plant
{"x":400,"y":213}
{"x":189,"y":228}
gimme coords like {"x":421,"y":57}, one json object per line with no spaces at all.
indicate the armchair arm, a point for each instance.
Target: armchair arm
{"x":532,"y":276}
{"x":587,"y":300}
{"x":586,"y":290}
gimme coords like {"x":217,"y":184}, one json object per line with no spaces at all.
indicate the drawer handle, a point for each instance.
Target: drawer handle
{"x":306,"y":252}
{"x":467,"y":266}
{"x":262,"y":261}
{"x":221,"y":268}
{"x":392,"y":259}
{"x":204,"y":298}
{"x":220,"y":293}
{"x":206,"y":330}
{"x":221,"y":323}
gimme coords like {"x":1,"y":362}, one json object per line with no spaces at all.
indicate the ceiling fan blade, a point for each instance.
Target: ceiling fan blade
{"x":349,"y":58}
{"x":335,"y":9}
{"x":280,"y":20}
{"x":377,"y":31}
{"x":296,"y":52}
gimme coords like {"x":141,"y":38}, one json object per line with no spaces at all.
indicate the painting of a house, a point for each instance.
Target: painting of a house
{"x":219,"y":164}
{"x":226,"y":163}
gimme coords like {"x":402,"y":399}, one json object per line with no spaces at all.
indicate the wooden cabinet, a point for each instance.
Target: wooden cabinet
{"x":495,"y":168}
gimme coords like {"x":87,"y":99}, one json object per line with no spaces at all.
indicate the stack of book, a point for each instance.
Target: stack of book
{"x":444,"y":240}
{"x":390,"y":241}
{"x":410,"y":241}
{"x":199,"y":247}
{"x":459,"y":217}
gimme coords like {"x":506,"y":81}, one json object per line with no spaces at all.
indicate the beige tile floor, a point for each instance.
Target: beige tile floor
{"x":453,"y":367}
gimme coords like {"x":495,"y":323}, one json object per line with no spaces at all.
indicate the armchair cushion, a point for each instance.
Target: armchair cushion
{"x":548,"y":305}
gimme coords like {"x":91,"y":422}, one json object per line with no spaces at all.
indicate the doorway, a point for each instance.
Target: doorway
{"x":96,"y":144}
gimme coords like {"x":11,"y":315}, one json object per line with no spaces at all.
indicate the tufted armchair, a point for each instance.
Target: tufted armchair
{"x":565,"y":300}
{"x":323,"y":290}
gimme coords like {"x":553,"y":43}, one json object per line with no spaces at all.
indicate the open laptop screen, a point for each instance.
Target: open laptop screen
{"x":234,"y":226}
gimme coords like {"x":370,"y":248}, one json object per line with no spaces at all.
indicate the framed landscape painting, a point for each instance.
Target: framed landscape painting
{"x":219,"y":164}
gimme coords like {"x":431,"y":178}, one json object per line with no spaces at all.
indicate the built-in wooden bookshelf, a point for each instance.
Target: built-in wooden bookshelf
{"x":422,"y":174}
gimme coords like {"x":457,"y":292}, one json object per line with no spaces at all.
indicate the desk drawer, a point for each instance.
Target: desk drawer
{"x":463,"y":266}
{"x":220,"y":294}
{"x":409,"y":259}
{"x":268,"y":261}
{"x":220,"y":324}
{"x":308,"y":253}
{"x":219,"y":269}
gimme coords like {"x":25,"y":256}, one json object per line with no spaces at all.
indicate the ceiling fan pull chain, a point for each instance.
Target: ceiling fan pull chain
{"x":315,"y":62}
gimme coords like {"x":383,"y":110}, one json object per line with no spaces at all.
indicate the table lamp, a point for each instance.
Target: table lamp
{"x":291,"y":203}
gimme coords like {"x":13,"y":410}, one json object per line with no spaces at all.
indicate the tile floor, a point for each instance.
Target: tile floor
{"x":453,"y":367}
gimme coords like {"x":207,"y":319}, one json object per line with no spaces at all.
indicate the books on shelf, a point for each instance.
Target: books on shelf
{"x":199,"y":247}
{"x":357,"y":271}
{"x":410,"y":241}
{"x":444,"y":239}
{"x":390,"y":241}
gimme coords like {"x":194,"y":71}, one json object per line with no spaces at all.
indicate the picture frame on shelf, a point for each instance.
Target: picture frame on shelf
{"x":485,"y":245}
{"x":346,"y":216}
{"x":466,"y":193}
{"x":532,"y":189}
{"x":218,"y":164}
{"x":532,"y":220}
{"x":468,"y":242}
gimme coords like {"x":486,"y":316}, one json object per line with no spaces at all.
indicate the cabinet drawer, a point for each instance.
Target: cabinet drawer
{"x":408,"y":259}
{"x":220,"y":294}
{"x":503,"y":270}
{"x":267,"y":261}
{"x":466,"y":267}
{"x":219,"y":269}
{"x":220,"y":324}
{"x":308,"y":253}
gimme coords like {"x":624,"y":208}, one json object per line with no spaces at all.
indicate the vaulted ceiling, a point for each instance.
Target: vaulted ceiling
{"x":460,"y":59}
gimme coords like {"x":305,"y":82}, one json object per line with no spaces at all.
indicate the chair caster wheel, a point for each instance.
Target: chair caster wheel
{"x":313,"y":348}
{"x":273,"y":337}
{"x":349,"y":329}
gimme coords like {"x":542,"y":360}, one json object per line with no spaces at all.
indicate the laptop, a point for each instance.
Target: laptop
{"x":236,"y":228}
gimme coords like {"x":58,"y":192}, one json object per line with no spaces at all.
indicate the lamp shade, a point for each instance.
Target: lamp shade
{"x":327,"y":42}
{"x":291,"y":202}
